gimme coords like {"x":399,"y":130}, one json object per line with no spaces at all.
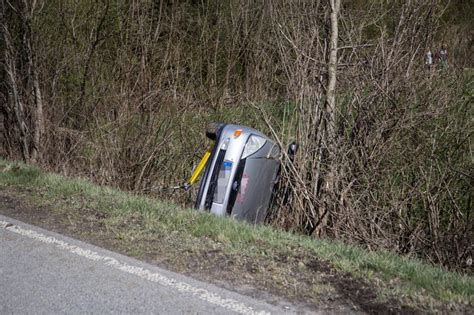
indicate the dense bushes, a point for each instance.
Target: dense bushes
{"x":128,"y":88}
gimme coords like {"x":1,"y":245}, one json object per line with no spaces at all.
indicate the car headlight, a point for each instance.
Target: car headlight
{"x":254,"y":143}
{"x":225,"y":144}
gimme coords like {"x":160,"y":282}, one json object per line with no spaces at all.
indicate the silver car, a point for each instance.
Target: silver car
{"x":240,"y":173}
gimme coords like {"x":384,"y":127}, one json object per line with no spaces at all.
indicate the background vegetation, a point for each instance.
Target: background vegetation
{"x":120,"y":92}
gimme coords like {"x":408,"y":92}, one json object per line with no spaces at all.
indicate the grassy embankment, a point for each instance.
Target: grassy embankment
{"x":136,"y":222}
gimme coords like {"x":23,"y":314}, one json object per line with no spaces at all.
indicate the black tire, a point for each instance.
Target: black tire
{"x":212,"y":130}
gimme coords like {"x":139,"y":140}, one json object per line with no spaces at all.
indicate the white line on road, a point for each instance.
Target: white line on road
{"x":180,"y":286}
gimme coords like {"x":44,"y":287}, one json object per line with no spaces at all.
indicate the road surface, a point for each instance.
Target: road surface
{"x":42,"y":272}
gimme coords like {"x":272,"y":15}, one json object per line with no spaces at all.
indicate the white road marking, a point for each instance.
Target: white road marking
{"x":180,"y":286}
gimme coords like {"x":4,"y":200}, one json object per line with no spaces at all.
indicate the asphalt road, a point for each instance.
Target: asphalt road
{"x":42,"y":272}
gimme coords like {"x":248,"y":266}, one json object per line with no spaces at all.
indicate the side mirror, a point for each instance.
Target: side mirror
{"x":292,"y":148}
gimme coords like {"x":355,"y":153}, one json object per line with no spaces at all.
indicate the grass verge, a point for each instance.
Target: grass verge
{"x":196,"y":242}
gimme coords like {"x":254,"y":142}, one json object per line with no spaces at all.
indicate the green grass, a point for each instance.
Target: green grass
{"x":398,"y":275}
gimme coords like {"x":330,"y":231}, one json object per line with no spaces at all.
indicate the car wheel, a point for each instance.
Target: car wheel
{"x":213,"y":129}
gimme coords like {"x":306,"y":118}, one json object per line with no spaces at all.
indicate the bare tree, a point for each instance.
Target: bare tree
{"x":29,"y":8}
{"x":328,"y":181}
{"x":23,"y":79}
{"x":14,"y":101}
{"x":335,"y":6}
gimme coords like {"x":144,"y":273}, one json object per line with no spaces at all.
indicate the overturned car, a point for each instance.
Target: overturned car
{"x":240,"y":172}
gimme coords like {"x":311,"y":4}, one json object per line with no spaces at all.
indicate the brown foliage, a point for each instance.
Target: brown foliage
{"x":128,"y":89}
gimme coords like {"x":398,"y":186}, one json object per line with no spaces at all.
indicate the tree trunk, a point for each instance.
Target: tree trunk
{"x":38,"y":122}
{"x":330,"y":121}
{"x":16,"y":102}
{"x":332,"y":69}
{"x":24,"y":97}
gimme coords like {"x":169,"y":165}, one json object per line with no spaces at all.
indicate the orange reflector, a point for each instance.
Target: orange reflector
{"x":237,"y":133}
